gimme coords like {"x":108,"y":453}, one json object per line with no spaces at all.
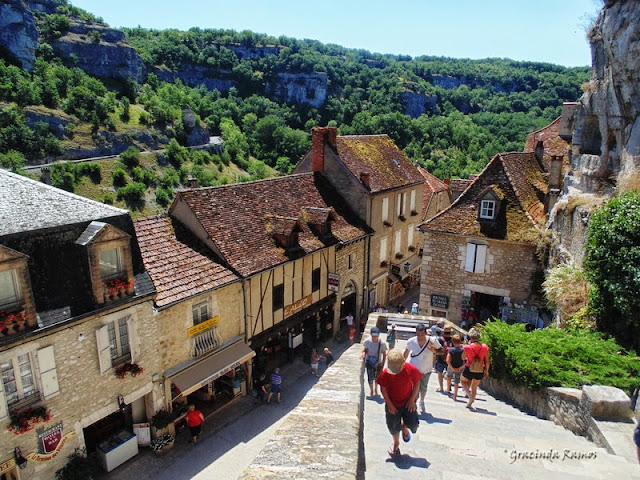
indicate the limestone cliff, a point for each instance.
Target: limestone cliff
{"x":18,"y":33}
{"x":605,"y":133}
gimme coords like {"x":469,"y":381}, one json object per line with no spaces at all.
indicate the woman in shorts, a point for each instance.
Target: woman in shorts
{"x":476,"y":368}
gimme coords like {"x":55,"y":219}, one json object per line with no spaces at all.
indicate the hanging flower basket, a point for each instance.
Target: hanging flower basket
{"x":24,"y":420}
{"x":125,"y":369}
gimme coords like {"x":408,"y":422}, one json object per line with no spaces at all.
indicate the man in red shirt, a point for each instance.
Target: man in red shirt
{"x":195,"y":419}
{"x":400,"y":383}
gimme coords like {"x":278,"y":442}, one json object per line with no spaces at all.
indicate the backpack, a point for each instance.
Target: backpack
{"x":442,"y":357}
{"x":456,"y":356}
{"x":477,"y":365}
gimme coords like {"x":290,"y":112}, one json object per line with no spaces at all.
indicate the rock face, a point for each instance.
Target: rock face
{"x":416,"y":104}
{"x":18,"y":33}
{"x":605,"y":151}
{"x":197,"y":75}
{"x":308,"y":88}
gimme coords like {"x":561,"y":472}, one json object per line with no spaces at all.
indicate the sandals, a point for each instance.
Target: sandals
{"x":406,"y":437}
{"x":393,"y":452}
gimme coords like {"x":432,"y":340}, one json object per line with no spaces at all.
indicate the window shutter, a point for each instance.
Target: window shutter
{"x":471,"y":257}
{"x":410,"y":235}
{"x":383,"y":249}
{"x":132,"y":338}
{"x":404,"y":203}
{"x":481,"y":256}
{"x":3,"y":403}
{"x":385,"y":209}
{"x":48,"y":374}
{"x":104,"y":349}
{"x":398,"y":204}
{"x":413,"y":200}
{"x":398,"y":242}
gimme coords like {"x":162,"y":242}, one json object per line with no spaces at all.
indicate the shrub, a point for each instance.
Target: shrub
{"x":90,"y":169}
{"x":63,"y":175}
{"x":162,"y":418}
{"x":163,"y":196}
{"x":170,"y":178}
{"x":205,"y":178}
{"x":566,"y":289}
{"x":132,"y":192}
{"x":131,"y":157}
{"x":109,"y":198}
{"x":555,"y":357}
{"x":176,"y":154}
{"x":119,"y":177}
{"x":143,"y":175}
{"x":78,"y":467}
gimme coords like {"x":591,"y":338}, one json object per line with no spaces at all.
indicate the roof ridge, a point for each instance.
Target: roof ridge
{"x":545,"y":127}
{"x":251,"y":182}
{"x":516,"y":192}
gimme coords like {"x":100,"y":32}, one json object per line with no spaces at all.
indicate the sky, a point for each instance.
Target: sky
{"x":552,"y":31}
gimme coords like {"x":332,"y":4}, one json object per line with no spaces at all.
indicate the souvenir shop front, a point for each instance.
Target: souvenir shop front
{"x":404,"y":276}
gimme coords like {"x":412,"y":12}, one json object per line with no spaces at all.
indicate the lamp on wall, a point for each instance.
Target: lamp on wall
{"x":121,"y":403}
{"x":81,"y":336}
{"x":20,"y":460}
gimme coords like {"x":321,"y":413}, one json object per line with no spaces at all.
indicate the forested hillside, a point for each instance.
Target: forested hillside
{"x":263,"y":95}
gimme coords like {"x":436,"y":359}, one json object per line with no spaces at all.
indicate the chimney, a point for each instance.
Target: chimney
{"x":555,"y":172}
{"x":539,"y":153}
{"x":365,"y":178}
{"x":447,"y":182}
{"x":320,"y":135}
{"x":46,"y":175}
{"x":192,"y":183}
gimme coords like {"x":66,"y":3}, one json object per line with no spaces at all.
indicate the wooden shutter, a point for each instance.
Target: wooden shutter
{"x":471,"y":257}
{"x":132,"y":338}
{"x":481,"y":256}
{"x":104,"y":349}
{"x":410,"y":235}
{"x":385,"y":209}
{"x":48,"y":374}
{"x":3,"y":403}
{"x":413,"y":200}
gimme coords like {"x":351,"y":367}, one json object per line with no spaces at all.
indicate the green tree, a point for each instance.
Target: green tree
{"x":12,"y":160}
{"x":612,"y":265}
{"x":131,"y":157}
{"x":235,"y":143}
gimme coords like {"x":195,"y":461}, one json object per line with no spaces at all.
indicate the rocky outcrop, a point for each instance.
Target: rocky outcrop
{"x":18,"y":33}
{"x":416,"y":104}
{"x":55,"y":119}
{"x":310,"y":88}
{"x":194,"y":76}
{"x":197,"y":134}
{"x":244,"y":52}
{"x":605,"y":149}
{"x":99,"y":51}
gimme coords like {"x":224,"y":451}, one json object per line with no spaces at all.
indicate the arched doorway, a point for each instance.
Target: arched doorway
{"x":348,"y":304}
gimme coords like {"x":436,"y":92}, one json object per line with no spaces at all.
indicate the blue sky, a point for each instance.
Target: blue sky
{"x":551,"y":31}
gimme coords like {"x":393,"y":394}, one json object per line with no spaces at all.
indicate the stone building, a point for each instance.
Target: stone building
{"x":199,"y":315}
{"x":78,"y":339}
{"x":481,"y":250}
{"x":384,"y":190}
{"x":282,"y":237}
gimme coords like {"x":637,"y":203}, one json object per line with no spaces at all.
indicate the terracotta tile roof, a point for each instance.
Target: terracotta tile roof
{"x":459,"y":185}
{"x":516,"y":176}
{"x":234,"y":216}
{"x":179,"y":265}
{"x":379,"y":156}
{"x":432,"y":185}
{"x":553,"y":144}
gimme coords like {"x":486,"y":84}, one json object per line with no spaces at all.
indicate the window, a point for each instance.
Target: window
{"x":476,"y":256}
{"x":397,"y":246}
{"x":9,"y":290}
{"x":115,"y":343}
{"x":488,"y":209}
{"x":412,"y":201}
{"x":410,"y":235}
{"x":200,"y":312}
{"x":278,"y":297}
{"x":401,"y":203}
{"x":17,"y":376}
{"x":385,"y":209}
{"x":110,"y":263}
{"x":315,"y":280}
{"x":350,"y":261}
{"x":383,"y":249}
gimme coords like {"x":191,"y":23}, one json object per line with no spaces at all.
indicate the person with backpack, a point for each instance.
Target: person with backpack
{"x":455,"y":364}
{"x":374,"y":355}
{"x":476,"y":356}
{"x":441,"y":359}
{"x":419,"y":352}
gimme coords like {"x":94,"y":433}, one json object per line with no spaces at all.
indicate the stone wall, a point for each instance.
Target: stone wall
{"x":509,"y":269}
{"x":355,"y":274}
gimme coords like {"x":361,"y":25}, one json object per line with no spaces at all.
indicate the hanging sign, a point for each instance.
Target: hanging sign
{"x":295,"y":307}
{"x":50,"y":438}
{"x":333,"y":282}
{"x":38,"y":457}
{"x":203,"y":326}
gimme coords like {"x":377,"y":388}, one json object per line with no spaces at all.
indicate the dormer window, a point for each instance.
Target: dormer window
{"x":283,"y":230}
{"x":318,"y":219}
{"x":488,"y":209}
{"x":110,"y":263}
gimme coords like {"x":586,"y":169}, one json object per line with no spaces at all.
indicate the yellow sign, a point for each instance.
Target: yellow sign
{"x":38,"y":457}
{"x":295,"y":307}
{"x":8,"y":465}
{"x":201,"y":327}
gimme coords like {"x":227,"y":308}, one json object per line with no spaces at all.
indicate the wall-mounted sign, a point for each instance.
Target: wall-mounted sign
{"x":333,"y":282}
{"x":50,"y":438}
{"x":8,"y":465}
{"x":38,"y":457}
{"x":295,"y":307}
{"x":203,"y":326}
{"x":440,"y":301}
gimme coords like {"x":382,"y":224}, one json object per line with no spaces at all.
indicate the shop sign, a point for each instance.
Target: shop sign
{"x":295,"y":307}
{"x":203,"y":326}
{"x":8,"y":465}
{"x":37,"y":457}
{"x":222,"y":372}
{"x":333,"y":282}
{"x":50,"y":438}
{"x":440,"y":301}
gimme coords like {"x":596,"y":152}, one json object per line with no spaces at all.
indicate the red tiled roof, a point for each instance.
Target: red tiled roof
{"x":179,"y":265}
{"x":379,"y":156}
{"x":432,"y":185}
{"x":518,"y":177}
{"x":235,"y":216}
{"x":459,"y":184}
{"x":553,"y":144}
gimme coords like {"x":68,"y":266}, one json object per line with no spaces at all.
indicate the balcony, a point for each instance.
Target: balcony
{"x":205,"y":342}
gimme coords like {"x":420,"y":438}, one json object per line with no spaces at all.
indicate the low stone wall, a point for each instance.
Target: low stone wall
{"x":322,"y":436}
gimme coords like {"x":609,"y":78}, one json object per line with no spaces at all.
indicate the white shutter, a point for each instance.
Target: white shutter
{"x":398,"y":204}
{"x":3,"y":403}
{"x":481,"y":256}
{"x":404,"y":203}
{"x":385,"y":209}
{"x":48,"y":374}
{"x":398,"y":243}
{"x":413,"y":201}
{"x":410,"y":235}
{"x":104,"y":349}
{"x":132,"y":338}
{"x":383,"y":249}
{"x":471,"y":257}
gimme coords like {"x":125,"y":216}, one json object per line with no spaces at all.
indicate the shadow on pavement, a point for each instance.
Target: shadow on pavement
{"x":406,"y":462}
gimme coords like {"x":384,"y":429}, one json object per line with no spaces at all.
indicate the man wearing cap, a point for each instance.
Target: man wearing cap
{"x":374,"y":354}
{"x":419,"y":351}
{"x":400,"y":383}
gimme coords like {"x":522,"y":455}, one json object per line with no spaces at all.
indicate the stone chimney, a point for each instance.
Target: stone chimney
{"x":555,"y":172}
{"x":365,"y":178}
{"x":192,"y":183}
{"x":539,"y":153}
{"x":46,"y":175}
{"x":320,"y":136}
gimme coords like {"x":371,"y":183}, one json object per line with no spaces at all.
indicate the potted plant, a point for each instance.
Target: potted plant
{"x":412,"y":248}
{"x":12,"y":320}
{"x":386,"y":223}
{"x":402,"y":218}
{"x":162,"y":444}
{"x":162,"y":422}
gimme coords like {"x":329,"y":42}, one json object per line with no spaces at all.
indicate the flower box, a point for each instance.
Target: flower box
{"x":12,"y":321}
{"x":125,"y":369}
{"x":162,"y":444}
{"x":26,"y":419}
{"x":118,"y":288}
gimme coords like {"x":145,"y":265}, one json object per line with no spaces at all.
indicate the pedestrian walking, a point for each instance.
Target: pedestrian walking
{"x":420,"y":351}
{"x":455,"y":364}
{"x":315,"y":361}
{"x":400,"y":384}
{"x":194,"y":419}
{"x":391,"y":337}
{"x":476,"y":356}
{"x":441,"y":359}
{"x":636,"y":439}
{"x":261,"y":388}
{"x":276,"y":385}
{"x":414,"y":308}
{"x":374,"y":355}
{"x":328,"y":357}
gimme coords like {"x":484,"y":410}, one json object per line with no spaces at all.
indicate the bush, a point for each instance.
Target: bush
{"x":63,"y":175}
{"x":119,"y":177}
{"x":143,"y":175}
{"x":78,"y":467}
{"x":90,"y":169}
{"x":170,"y":178}
{"x":555,"y":357}
{"x":109,"y":198}
{"x":612,"y":264}
{"x":132,"y":192}
{"x":131,"y":157}
{"x":205,"y":178}
{"x":163,"y":196}
{"x":162,"y":418}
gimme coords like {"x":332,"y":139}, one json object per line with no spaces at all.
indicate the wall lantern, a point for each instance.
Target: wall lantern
{"x":20,"y":460}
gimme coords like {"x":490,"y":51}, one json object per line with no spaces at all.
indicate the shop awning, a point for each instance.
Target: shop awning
{"x":212,"y":367}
